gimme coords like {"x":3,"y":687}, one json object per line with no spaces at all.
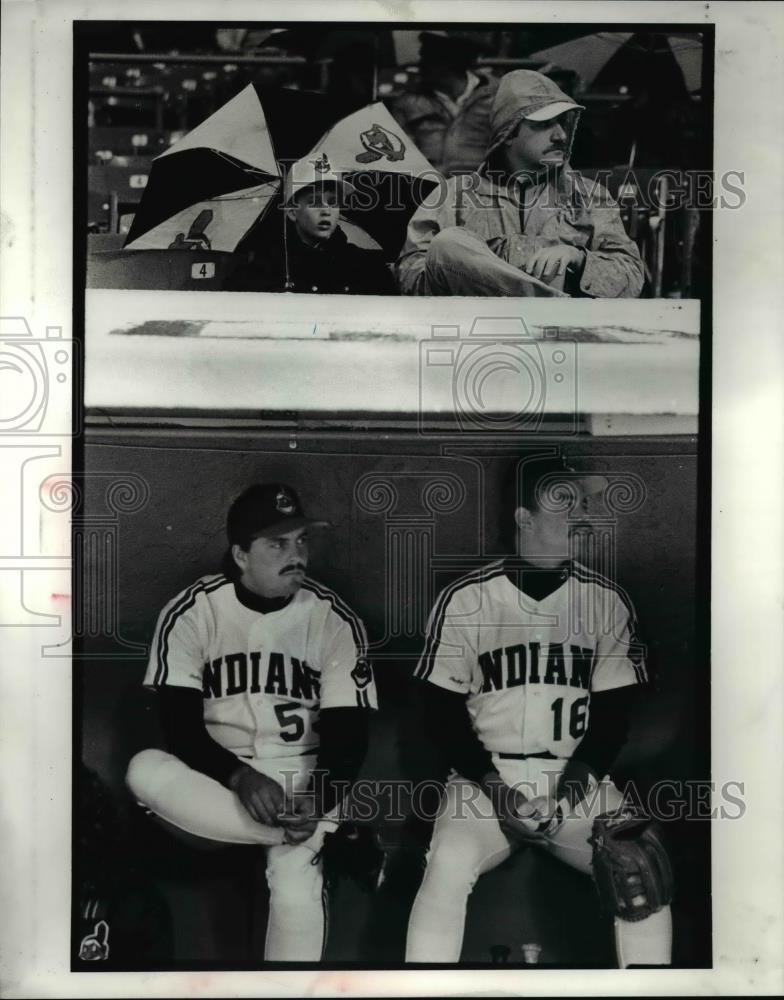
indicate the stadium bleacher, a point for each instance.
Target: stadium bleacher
{"x":108,"y":142}
{"x":198,"y":270}
{"x":112,"y":191}
{"x":141,"y":104}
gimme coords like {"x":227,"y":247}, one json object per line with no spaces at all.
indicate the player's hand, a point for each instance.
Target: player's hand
{"x":523,"y":821}
{"x":534,"y":819}
{"x":300,"y":819}
{"x":520,"y":821}
{"x":550,"y":262}
{"x":261,"y":796}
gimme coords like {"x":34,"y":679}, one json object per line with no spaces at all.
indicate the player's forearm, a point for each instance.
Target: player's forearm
{"x":497,"y":791}
{"x":453,"y":734}
{"x":182,"y":716}
{"x":608,"y":730}
{"x":343,"y":734}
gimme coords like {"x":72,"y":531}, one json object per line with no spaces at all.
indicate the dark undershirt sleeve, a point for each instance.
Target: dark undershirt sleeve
{"x":182,"y":716}
{"x":607,"y":732}
{"x":452,"y":733}
{"x":343,"y":734}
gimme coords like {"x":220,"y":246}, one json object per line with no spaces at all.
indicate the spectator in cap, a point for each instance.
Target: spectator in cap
{"x":448,"y":113}
{"x":316,"y":256}
{"x":525,"y":223}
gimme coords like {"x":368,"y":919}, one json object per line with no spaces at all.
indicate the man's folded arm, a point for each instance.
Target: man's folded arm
{"x":186,"y":736}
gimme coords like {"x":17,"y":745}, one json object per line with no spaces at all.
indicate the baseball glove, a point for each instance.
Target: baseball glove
{"x":354,"y":852}
{"x":630,"y":864}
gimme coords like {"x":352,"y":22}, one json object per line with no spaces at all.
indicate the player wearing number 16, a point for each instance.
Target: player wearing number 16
{"x":528,"y":674}
{"x":264,"y":693}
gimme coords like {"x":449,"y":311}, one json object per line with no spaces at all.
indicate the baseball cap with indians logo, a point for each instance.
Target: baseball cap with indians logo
{"x":266,"y":509}
{"x":313,"y":172}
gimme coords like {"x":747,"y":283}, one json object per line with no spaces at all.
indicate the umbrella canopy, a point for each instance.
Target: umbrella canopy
{"x":220,"y":187}
{"x":231,"y":165}
{"x":591,"y":55}
{"x":389,"y":174}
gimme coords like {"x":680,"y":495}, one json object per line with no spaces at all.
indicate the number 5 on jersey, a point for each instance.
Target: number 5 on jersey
{"x":292,"y":725}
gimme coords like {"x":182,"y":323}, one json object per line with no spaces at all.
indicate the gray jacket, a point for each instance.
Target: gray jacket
{"x":566,"y":208}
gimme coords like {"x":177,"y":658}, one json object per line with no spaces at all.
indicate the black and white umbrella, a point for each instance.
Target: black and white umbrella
{"x":592,"y":56}
{"x":214,"y":185}
{"x":218,"y":188}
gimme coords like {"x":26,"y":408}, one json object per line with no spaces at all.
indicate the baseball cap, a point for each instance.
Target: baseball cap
{"x":313,"y":171}
{"x":525,"y":94}
{"x":552,"y":111}
{"x":265,"y":509}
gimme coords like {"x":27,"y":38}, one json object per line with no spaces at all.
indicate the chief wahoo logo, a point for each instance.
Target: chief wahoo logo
{"x":379,"y":142}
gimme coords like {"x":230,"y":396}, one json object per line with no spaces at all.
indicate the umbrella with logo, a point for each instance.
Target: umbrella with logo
{"x":221,"y":186}
{"x":388,"y":174}
{"x":207,"y":190}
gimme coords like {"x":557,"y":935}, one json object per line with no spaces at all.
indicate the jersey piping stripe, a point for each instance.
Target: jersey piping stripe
{"x":585,"y":575}
{"x":433,"y":640}
{"x":357,"y":628}
{"x":186,"y":600}
{"x":342,"y":610}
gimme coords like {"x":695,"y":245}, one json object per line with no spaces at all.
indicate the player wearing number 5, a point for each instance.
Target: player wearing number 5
{"x":528,"y":674}
{"x":264,"y":690}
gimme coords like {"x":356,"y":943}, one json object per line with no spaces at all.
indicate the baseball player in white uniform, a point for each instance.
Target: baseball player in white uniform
{"x":264,"y":693}
{"x":528,"y":672}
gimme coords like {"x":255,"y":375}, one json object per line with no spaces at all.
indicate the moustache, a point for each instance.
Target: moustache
{"x":293,"y":568}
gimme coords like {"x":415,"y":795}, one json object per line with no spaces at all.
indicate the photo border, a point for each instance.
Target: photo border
{"x":748,"y":953}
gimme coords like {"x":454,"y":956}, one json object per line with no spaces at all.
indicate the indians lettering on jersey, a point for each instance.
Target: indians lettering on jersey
{"x":530,"y":663}
{"x":528,"y":667}
{"x":265,"y":677}
{"x":256,"y":673}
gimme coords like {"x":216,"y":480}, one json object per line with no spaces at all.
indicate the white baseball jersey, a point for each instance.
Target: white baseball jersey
{"x":264,"y":676}
{"x":529,"y":667}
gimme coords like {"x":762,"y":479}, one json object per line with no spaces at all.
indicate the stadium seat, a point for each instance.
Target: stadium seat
{"x":111,"y":190}
{"x":140,"y":164}
{"x":177,"y":270}
{"x":126,"y":141}
{"x":663,"y":231}
{"x":101,"y":242}
{"x":128,"y":105}
{"x":97,"y":211}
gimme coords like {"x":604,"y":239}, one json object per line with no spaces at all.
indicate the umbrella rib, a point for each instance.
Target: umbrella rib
{"x":266,"y":209}
{"x":247,"y":167}
{"x":239,"y":196}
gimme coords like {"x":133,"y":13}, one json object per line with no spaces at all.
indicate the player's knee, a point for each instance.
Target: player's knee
{"x":452,"y":869}
{"x":143,"y":774}
{"x":293,"y":876}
